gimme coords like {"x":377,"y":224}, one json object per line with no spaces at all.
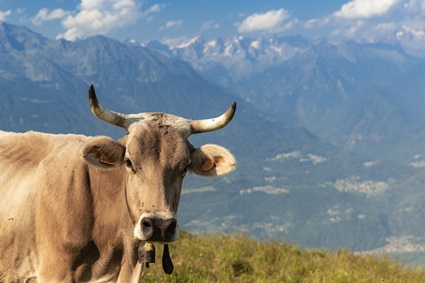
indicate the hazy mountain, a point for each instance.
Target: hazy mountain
{"x":289,"y":184}
{"x":357,"y":96}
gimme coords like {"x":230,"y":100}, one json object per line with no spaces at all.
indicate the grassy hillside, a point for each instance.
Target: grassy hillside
{"x":238,"y":259}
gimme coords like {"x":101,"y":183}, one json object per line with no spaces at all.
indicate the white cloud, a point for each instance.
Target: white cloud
{"x":172,"y":24}
{"x":44,"y":15}
{"x":267,"y":21}
{"x":210,"y":25}
{"x":153,"y":9}
{"x":4,"y":15}
{"x":149,"y":13}
{"x":362,"y":9}
{"x":350,"y":31}
{"x":412,"y":39}
{"x":174,"y":41}
{"x":415,"y":5}
{"x":99,"y":17}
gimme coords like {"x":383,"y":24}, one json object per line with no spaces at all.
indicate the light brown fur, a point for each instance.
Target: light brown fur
{"x":63,"y":215}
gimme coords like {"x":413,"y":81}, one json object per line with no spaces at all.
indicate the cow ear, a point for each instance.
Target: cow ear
{"x":212,"y":160}
{"x":102,"y":152}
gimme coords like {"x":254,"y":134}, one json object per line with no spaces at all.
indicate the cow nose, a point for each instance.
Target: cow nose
{"x":158,"y":230}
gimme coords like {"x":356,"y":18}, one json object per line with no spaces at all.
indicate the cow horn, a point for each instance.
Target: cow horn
{"x":209,"y":125}
{"x":106,"y":115}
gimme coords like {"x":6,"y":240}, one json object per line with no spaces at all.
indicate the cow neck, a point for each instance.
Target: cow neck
{"x":137,"y":273}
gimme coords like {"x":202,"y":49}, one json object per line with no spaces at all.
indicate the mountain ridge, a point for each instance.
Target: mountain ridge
{"x":289,"y":184}
{"x":306,"y":83}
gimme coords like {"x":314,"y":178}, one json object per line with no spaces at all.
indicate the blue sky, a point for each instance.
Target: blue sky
{"x":142,"y":20}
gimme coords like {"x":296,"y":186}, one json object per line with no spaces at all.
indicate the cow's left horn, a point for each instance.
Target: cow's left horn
{"x":106,"y":115}
{"x":209,"y":125}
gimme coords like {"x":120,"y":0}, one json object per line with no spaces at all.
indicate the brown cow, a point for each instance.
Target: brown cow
{"x":75,"y":208}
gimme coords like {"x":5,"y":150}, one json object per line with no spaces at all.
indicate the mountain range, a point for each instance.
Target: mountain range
{"x":356,"y":96}
{"x":317,"y":165}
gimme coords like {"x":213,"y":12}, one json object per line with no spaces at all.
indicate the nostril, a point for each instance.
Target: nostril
{"x":148,"y":228}
{"x":171,"y":228}
{"x":173,"y":224}
{"x":146,"y":223}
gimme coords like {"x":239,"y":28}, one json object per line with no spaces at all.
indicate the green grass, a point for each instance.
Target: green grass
{"x":239,"y":259}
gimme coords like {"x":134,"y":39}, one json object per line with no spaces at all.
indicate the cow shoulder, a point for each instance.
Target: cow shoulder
{"x":212,"y":160}
{"x":102,"y":152}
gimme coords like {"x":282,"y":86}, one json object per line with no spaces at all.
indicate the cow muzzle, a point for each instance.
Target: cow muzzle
{"x":155,"y":227}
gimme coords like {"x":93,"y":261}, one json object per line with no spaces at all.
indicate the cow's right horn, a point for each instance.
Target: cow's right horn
{"x":106,"y":115}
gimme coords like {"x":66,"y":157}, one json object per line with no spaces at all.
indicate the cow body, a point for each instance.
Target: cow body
{"x":61,"y":220}
{"x":75,"y":208}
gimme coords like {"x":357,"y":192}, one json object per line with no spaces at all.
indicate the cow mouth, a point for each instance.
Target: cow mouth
{"x":146,"y":255}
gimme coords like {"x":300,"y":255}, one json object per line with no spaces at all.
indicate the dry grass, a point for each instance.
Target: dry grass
{"x":239,"y":259}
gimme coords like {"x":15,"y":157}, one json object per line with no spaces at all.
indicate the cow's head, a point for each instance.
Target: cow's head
{"x":157,"y":154}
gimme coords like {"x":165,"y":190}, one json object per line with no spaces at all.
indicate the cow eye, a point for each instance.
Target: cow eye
{"x":129,"y":164}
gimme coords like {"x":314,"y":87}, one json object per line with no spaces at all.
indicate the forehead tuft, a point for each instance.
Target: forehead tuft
{"x":157,"y":141}
{"x":178,"y":124}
